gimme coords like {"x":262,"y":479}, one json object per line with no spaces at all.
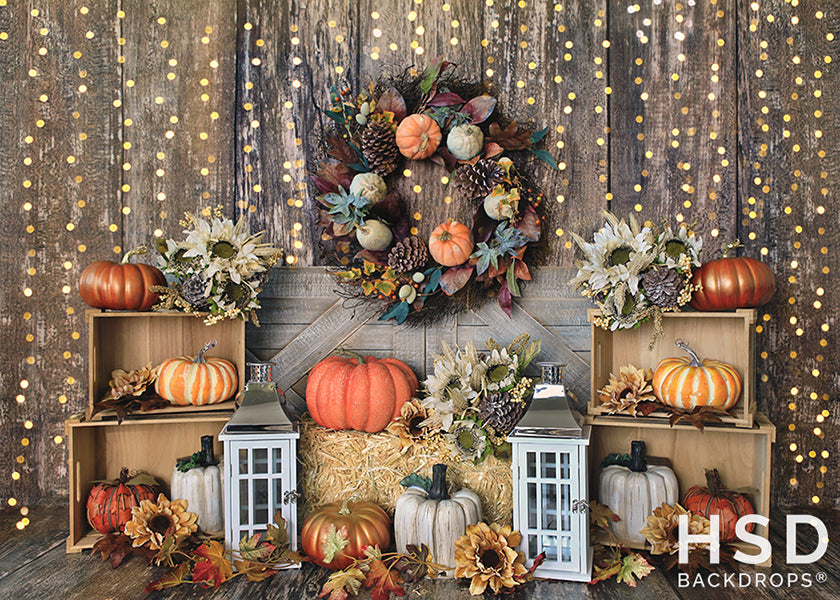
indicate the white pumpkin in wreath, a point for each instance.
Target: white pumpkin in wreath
{"x":465,"y":141}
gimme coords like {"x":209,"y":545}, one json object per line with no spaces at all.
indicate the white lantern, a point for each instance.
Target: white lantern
{"x":550,"y":482}
{"x":260,"y":444}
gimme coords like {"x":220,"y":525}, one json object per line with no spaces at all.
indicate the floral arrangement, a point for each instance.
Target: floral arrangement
{"x":427,"y":116}
{"x":474,"y":400}
{"x":634,"y":272}
{"x":219,"y":269}
{"x":129,"y":391}
{"x":164,"y":532}
{"x":487,"y":555}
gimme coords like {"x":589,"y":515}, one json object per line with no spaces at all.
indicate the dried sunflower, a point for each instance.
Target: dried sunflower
{"x":663,"y":528}
{"x":468,"y":440}
{"x":131,"y":383}
{"x":410,"y":424}
{"x":488,"y":556}
{"x":502,"y":368}
{"x":625,"y":392}
{"x":151,"y":522}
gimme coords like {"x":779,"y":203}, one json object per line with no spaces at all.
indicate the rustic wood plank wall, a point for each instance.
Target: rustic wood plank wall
{"x":118,"y":116}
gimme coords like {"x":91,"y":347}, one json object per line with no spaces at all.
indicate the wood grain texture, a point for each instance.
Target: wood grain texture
{"x":673,"y":134}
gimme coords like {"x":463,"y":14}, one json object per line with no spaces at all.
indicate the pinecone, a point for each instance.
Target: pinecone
{"x":408,"y":255}
{"x":662,"y":287}
{"x":194,"y":290}
{"x":478,"y":180}
{"x":497,"y":411}
{"x":379,"y":147}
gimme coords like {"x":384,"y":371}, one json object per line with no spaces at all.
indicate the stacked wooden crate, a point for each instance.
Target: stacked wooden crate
{"x":740,"y":447}
{"x":99,"y":446}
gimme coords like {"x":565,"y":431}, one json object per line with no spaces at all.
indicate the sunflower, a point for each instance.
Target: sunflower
{"x":678,"y":250}
{"x":501,"y":370}
{"x":151,"y":522}
{"x":410,"y":424}
{"x":488,"y":556}
{"x":662,"y":530}
{"x":131,"y":383}
{"x":468,"y":440}
{"x":624,"y":308}
{"x":625,"y":392}
{"x":620,"y":252}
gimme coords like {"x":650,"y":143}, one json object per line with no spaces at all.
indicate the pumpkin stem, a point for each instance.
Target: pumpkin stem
{"x":345,"y":353}
{"x":695,"y":360}
{"x":130,"y":253}
{"x":123,"y":475}
{"x":730,"y":247}
{"x":439,"y":490}
{"x":207,"y":448}
{"x":344,"y":510}
{"x":713,"y":481}
{"x":638,"y":464}
{"x":207,"y":347}
{"x":445,"y":236}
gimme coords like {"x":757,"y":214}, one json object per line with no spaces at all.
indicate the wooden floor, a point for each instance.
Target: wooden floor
{"x":33,"y":565}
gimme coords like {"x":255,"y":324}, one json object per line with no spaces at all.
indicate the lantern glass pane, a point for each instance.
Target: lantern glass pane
{"x":244,"y":505}
{"x":533,"y":546}
{"x":548,"y":464}
{"x":549,"y":546}
{"x":565,"y":507}
{"x":277,"y":460}
{"x":532,"y":506}
{"x":260,"y":460}
{"x":260,"y":501}
{"x":549,"y":506}
{"x":532,"y":464}
{"x":243,"y":461}
{"x":565,"y":466}
{"x":566,"y":549}
{"x":277,"y":498}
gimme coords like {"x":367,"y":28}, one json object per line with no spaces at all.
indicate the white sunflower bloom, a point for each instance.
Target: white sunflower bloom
{"x":672,"y":246}
{"x":501,"y":370}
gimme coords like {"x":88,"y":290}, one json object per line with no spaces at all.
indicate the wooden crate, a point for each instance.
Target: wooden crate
{"x":130,"y":340}
{"x":99,"y":449}
{"x":724,"y":336}
{"x":742,"y":455}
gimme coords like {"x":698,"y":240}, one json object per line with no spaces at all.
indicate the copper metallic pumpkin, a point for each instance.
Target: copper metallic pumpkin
{"x":366,"y":523}
{"x":185,"y":380}
{"x":687,"y":383}
{"x":120,"y":286}
{"x":109,"y":503}
{"x":730,"y":283}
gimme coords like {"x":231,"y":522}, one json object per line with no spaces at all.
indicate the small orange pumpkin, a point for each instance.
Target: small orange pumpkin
{"x":123,"y":286}
{"x":418,"y":136}
{"x":185,"y":380}
{"x":110,"y":502}
{"x":366,"y":525}
{"x":451,"y":244}
{"x":687,"y":383}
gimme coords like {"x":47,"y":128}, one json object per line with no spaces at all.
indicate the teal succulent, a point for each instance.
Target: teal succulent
{"x":348,"y":209}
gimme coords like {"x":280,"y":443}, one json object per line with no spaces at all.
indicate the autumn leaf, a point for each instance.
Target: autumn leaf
{"x":417,"y":564}
{"x":383,"y":581}
{"x":255,"y":571}
{"x":214,"y":552}
{"x":392,"y":101}
{"x":634,"y":566}
{"x":172,"y":579}
{"x":511,"y":137}
{"x":207,"y":574}
{"x":114,"y":547}
{"x":253,"y":549}
{"x":343,"y":582}
{"x":601,"y":516}
{"x":386,"y":288}
{"x":455,"y":278}
{"x":277,"y":533}
{"x":335,"y":541}
{"x":607,"y":571}
{"x":699,"y":416}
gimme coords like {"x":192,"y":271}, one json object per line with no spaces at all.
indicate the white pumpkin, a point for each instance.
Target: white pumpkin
{"x":374,"y":235}
{"x":465,"y":141}
{"x":202,"y":488}
{"x":369,"y":185}
{"x":633,"y":493}
{"x":435,"y":519}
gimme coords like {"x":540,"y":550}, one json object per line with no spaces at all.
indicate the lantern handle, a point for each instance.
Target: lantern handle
{"x":695,"y":360}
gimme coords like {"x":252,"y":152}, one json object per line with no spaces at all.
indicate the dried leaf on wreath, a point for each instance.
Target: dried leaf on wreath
{"x":455,"y":278}
{"x":324,"y":186}
{"x":530,"y":224}
{"x":699,"y":416}
{"x":492,"y":149}
{"x":479,"y":108}
{"x":445,"y":99}
{"x":392,"y":101}
{"x":341,"y":583}
{"x":372,"y":256}
{"x":444,"y":158}
{"x":338,"y":174}
{"x":390,"y":209}
{"x":511,"y":137}
{"x":432,"y":73}
{"x":339,"y":149}
{"x":383,"y":581}
{"x":505,"y":299}
{"x":521,"y":270}
{"x":174,"y":578}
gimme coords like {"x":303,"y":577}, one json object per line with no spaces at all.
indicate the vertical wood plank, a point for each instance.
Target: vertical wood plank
{"x":673,"y":143}
{"x":178,"y":81}
{"x":787,"y":217}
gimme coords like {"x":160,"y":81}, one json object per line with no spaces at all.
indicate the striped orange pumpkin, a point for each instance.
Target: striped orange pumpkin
{"x":687,"y":383}
{"x":110,"y":502}
{"x":185,"y":380}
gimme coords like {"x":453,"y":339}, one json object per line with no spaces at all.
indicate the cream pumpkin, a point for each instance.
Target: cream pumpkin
{"x":374,"y":235}
{"x":202,"y":487}
{"x":465,"y":141}
{"x":435,"y":518}
{"x":185,"y":380}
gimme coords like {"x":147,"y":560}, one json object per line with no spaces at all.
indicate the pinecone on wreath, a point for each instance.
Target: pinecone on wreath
{"x":663,"y":287}
{"x":379,"y":147}
{"x":194,"y":290}
{"x":478,"y":180}
{"x":497,"y":411}
{"x":408,"y":255}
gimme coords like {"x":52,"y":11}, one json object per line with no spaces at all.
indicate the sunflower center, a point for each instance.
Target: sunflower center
{"x":466,"y":440}
{"x":414,"y":425}
{"x":675,"y":248}
{"x":179,"y":256}
{"x":235,"y":291}
{"x":490,"y":559}
{"x":160,"y":523}
{"x":629,"y":305}
{"x":223,"y":249}
{"x":498,"y":373}
{"x":625,"y":393}
{"x":619,"y":256}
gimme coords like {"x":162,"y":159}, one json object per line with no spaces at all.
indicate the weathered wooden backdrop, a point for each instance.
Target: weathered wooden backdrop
{"x":116,"y":116}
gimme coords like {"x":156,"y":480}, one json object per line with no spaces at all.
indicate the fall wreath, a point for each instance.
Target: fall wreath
{"x":428,"y":116}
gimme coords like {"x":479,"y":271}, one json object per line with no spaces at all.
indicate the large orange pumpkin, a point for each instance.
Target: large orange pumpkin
{"x":123,"y":286}
{"x":366,"y":523}
{"x":687,"y":383}
{"x":730,"y":283}
{"x":418,"y":136}
{"x":185,"y":380}
{"x":110,"y":502}
{"x":714,"y":500}
{"x":451,"y":244}
{"x":361,"y":393}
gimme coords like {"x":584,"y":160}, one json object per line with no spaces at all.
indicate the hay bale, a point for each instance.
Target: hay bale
{"x":335,"y":465}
